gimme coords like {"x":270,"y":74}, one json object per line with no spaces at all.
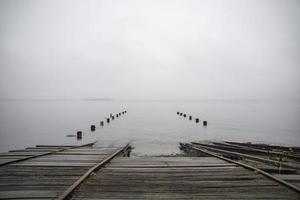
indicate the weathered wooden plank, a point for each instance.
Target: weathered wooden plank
{"x":51,"y":187}
{"x":13,"y":194}
{"x":37,"y":168}
{"x":174,"y":166}
{"x":49,"y":173}
{"x":79,"y":153}
{"x":51,"y":148}
{"x":34,"y":150}
{"x":56,"y":146}
{"x":55,"y":164}
{"x":161,"y":175}
{"x":35,"y":179}
{"x":44,"y":160}
{"x":42,"y":182}
{"x":19,"y":153}
{"x":71,"y":157}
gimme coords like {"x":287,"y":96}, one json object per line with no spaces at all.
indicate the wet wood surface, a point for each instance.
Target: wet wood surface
{"x":46,"y":177}
{"x":49,"y":176}
{"x":179,"y":178}
{"x":278,"y":162}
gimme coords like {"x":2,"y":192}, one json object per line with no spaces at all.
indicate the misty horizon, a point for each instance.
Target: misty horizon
{"x":149,"y":49}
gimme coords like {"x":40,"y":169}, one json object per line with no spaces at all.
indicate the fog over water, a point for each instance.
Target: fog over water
{"x":153,"y":127}
{"x":234,"y":62}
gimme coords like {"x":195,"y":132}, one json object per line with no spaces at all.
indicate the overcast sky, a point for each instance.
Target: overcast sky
{"x":155,"y":49}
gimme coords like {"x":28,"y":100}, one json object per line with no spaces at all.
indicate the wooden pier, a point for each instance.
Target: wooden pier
{"x":90,"y":172}
{"x":280,"y":162}
{"x":46,"y":172}
{"x":179,"y":178}
{"x":14,"y":156}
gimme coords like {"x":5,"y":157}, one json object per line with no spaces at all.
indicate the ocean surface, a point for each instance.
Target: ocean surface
{"x":152,"y":127}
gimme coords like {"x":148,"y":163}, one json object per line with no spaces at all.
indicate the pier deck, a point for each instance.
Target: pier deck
{"x":46,"y":172}
{"x":88,"y":172}
{"x":179,"y":178}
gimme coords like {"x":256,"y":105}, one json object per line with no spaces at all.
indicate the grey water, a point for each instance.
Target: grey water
{"x":152,"y":127}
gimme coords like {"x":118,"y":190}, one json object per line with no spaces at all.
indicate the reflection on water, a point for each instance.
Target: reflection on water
{"x":153,"y":127}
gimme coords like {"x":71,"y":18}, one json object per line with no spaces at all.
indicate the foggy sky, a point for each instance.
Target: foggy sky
{"x":154,"y":49}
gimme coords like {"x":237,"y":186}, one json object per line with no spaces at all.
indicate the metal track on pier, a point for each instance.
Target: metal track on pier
{"x":51,"y":175}
{"x":179,"y":178}
{"x":208,"y":149}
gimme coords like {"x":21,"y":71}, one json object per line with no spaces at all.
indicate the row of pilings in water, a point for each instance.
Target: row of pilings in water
{"x":190,"y":117}
{"x":102,"y":123}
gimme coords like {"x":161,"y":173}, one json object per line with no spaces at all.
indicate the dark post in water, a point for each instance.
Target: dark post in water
{"x":107,"y":120}
{"x":79,"y":135}
{"x":197,"y":120}
{"x":190,"y":117}
{"x":101,"y":123}
{"x":93,"y":127}
{"x":204,"y":123}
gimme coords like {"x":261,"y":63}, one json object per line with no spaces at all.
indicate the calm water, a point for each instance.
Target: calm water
{"x":151,"y":126}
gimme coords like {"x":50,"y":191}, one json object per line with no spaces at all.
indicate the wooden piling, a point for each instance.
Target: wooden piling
{"x":177,"y":113}
{"x":184,"y":115}
{"x":101,"y":123}
{"x":204,"y":123}
{"x":79,"y":135}
{"x":197,"y":120}
{"x":190,"y":117}
{"x":107,"y":120}
{"x":93,"y":127}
